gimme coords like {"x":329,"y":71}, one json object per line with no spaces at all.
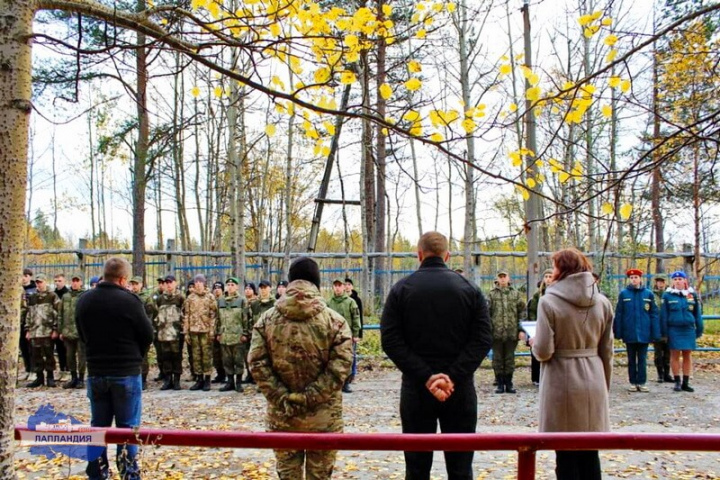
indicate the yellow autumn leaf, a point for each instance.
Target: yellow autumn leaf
{"x":513,"y":107}
{"x":275,"y":29}
{"x":606,"y":22}
{"x":329,"y":127}
{"x":606,"y":111}
{"x":270,"y":129}
{"x":563,"y":176}
{"x":347,"y":77}
{"x":437,"y":137}
{"x":387,"y":9}
{"x":625,"y":86}
{"x":505,"y":68}
{"x":611,"y":40}
{"x":610,"y":57}
{"x":614,"y":82}
{"x":384,"y":131}
{"x":385,"y":91}
{"x":416,"y":129}
{"x":195,"y":92}
{"x":214,"y":9}
{"x":469,"y":125}
{"x":421,"y":33}
{"x":413,"y":84}
{"x":584,"y":20}
{"x":414,"y":66}
{"x":607,"y":208}
{"x":516,"y":159}
{"x":523,"y":191}
{"x":451,"y":7}
{"x":534,"y":79}
{"x":530,"y":183}
{"x":532,"y":93}
{"x":626,"y":211}
{"x":411,"y":115}
{"x":322,"y":75}
{"x":218,"y":92}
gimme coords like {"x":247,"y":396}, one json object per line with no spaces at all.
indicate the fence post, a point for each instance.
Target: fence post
{"x":82,"y":246}
{"x":526,"y":465}
{"x":169,"y":258}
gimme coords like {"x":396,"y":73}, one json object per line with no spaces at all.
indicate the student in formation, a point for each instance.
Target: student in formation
{"x":532,"y":317}
{"x":250,"y":300}
{"x":218,"y":290}
{"x":637,"y":324}
{"x":232,"y":335}
{"x":74,"y":347}
{"x":41,"y":323}
{"x":168,"y":326}
{"x":199,"y":323}
{"x":136,"y":287}
{"x":346,"y":306}
{"x":681,"y":323}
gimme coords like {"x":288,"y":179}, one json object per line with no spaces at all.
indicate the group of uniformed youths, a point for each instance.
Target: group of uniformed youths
{"x":214,"y":323}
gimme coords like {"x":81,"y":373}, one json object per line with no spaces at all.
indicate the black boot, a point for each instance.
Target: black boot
{"x":144,"y":382}
{"x":686,"y":385}
{"x":677,"y":387}
{"x":206,"y":383}
{"x":219,"y":378}
{"x":51,"y":379}
{"x":73,"y":381}
{"x":175,"y":381}
{"x":198,"y":383}
{"x":501,"y":384}
{"x":81,"y":382}
{"x":168,"y":383}
{"x":161,"y":376}
{"x":661,"y":375}
{"x":230,"y":385}
{"x":509,"y":384}
{"x":666,"y":376}
{"x":238,"y":383}
{"x":38,"y":382}
{"x":496,"y":381}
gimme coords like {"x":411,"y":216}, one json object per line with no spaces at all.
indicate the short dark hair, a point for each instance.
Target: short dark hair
{"x":433,"y":244}
{"x":569,"y":261}
{"x":115,"y":269}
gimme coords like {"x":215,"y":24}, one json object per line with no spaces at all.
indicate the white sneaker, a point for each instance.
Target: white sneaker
{"x":643,"y":388}
{"x":634,"y":388}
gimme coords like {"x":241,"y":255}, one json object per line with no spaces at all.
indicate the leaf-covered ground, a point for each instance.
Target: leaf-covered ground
{"x":373,"y":407}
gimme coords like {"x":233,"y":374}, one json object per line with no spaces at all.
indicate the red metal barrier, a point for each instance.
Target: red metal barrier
{"x":526,"y":444}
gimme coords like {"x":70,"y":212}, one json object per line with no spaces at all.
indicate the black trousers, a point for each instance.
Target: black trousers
{"x":534,"y":369}
{"x":577,"y":465}
{"x":25,"y":350}
{"x":421,"y":412}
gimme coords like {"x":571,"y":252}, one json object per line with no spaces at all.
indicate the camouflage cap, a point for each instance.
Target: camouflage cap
{"x":41,"y":277}
{"x":338,"y":280}
{"x":78,"y":276}
{"x":502,"y":272}
{"x":548,"y":271}
{"x":136,"y":279}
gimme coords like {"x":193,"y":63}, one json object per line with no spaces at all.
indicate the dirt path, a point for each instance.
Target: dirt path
{"x":374,"y":408}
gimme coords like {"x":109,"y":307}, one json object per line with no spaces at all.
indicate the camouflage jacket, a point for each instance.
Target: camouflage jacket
{"x":200,"y":313}
{"x":168,"y":321}
{"x":232,"y":323}
{"x":301,"y":348}
{"x":259,"y":307}
{"x":507,"y":310}
{"x":148,"y":300}
{"x":66,"y":325}
{"x":346,"y":306}
{"x":42,"y":314}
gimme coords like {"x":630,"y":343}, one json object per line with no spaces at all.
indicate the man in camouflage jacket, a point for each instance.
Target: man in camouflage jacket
{"x":136,"y":287}
{"x":346,"y":306}
{"x":168,"y":325}
{"x":300,"y":356}
{"x":74,"y":347}
{"x":232,"y":334}
{"x":507,"y":309}
{"x":41,"y":321}
{"x":199,"y":324}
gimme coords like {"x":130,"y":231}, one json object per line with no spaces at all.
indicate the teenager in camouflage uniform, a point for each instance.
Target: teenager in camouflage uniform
{"x":232,"y":335}
{"x":346,"y":306}
{"x":199,"y":319}
{"x":251,"y":305}
{"x":159,"y":289}
{"x":74,"y":347}
{"x":136,"y":287}
{"x":168,"y":325}
{"x":41,"y":321}
{"x":507,"y":309}
{"x":300,"y":356}
{"x":218,"y":290}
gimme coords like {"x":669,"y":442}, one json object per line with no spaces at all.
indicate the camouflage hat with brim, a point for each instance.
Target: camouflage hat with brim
{"x":338,"y":280}
{"x":136,"y":279}
{"x":500,"y":273}
{"x":77,"y":276}
{"x":41,"y":277}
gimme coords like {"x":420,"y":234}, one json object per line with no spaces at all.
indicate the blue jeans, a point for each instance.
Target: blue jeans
{"x":353,"y":372}
{"x":118,"y":398}
{"x":637,"y":362}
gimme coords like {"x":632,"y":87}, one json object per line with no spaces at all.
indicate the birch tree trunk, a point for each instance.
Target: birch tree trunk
{"x":15,"y":108}
{"x":141,"y":152}
{"x":380,"y":205}
{"x":367,"y":182}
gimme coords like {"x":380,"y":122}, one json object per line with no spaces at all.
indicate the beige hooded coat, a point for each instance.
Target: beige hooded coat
{"x":574,"y":342}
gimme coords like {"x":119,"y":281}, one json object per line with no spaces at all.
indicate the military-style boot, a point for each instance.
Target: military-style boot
{"x":38,"y":382}
{"x":168,"y":383}
{"x":667,"y":377}
{"x":230,"y":385}
{"x":51,"y":379}
{"x":175,"y":381}
{"x":198,"y":383}
{"x":144,"y":382}
{"x":81,"y":381}
{"x":661,"y":375}
{"x":206,"y":384}
{"x":73,"y":381}
{"x":509,"y":384}
{"x":677,"y":387}
{"x":686,"y":385}
{"x":219,"y":378}
{"x":501,"y":384}
{"x":238,"y":383}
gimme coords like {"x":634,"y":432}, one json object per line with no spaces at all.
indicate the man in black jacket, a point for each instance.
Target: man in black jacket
{"x":435,"y":328}
{"x":117,"y":333}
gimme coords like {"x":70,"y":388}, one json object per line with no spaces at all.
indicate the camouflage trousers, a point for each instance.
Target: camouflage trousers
{"x":218,"y":362}
{"x":503,"y":361}
{"x":43,"y":356}
{"x":318,"y":465}
{"x":233,"y":357}
{"x":75,"y":349}
{"x":202,"y":352}
{"x":170,"y":357}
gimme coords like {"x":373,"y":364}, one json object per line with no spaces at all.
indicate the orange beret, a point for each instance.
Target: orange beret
{"x":634,"y":271}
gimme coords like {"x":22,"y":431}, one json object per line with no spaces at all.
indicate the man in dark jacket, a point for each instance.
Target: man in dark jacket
{"x":117,"y":333}
{"x":435,"y":328}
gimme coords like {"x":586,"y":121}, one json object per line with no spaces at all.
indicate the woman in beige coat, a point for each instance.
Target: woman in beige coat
{"x":574,"y":343}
